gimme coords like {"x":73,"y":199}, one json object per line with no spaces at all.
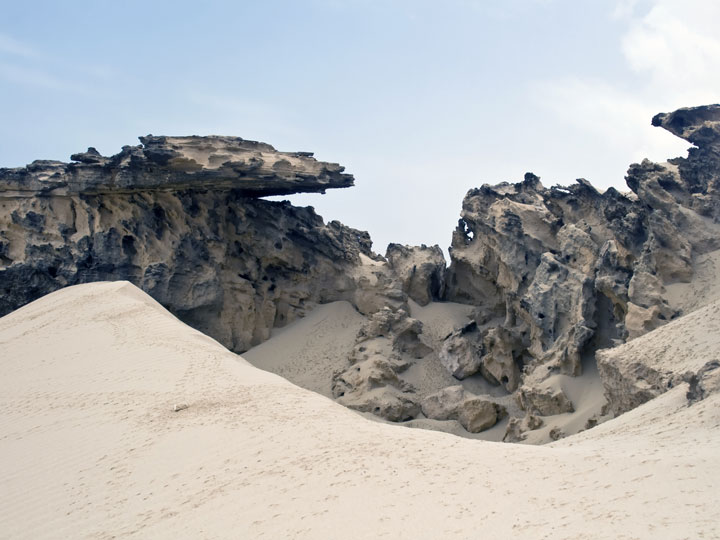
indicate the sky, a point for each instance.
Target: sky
{"x":419,"y":100}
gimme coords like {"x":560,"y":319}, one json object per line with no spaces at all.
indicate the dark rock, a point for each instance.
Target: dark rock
{"x":179,"y":163}
{"x":421,"y":271}
{"x":570,"y":270}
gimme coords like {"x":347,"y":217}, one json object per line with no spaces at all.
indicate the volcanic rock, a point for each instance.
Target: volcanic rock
{"x":684,"y":352}
{"x":173,"y":216}
{"x":252,"y":168}
{"x":385,"y":346}
{"x":571,"y":270}
{"x":420,"y":269}
{"x":454,"y":403}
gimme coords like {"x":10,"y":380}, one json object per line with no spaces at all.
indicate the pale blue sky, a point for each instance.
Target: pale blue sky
{"x":420,"y":100}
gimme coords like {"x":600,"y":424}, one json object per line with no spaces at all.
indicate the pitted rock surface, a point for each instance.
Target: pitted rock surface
{"x":179,"y":163}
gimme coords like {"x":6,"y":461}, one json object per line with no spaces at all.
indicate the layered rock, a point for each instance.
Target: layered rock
{"x":570,"y":270}
{"x":252,"y":168}
{"x":173,"y":216}
{"x":684,"y":351}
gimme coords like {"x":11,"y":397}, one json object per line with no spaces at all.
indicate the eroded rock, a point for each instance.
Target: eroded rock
{"x":517,"y":428}
{"x":684,"y":351}
{"x":385,"y":346}
{"x":454,"y":403}
{"x":420,"y":269}
{"x":544,"y":401}
{"x":252,"y":168}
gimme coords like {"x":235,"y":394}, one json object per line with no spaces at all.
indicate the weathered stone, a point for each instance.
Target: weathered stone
{"x":385,"y":346}
{"x":454,"y":403}
{"x":420,"y":269}
{"x":544,"y":401}
{"x":699,"y":125}
{"x":498,"y":361}
{"x":517,"y":428}
{"x":553,"y":274}
{"x":570,"y":270}
{"x":388,"y":403}
{"x":461,"y":354}
{"x":477,"y":415}
{"x":443,"y":405}
{"x":252,"y":168}
{"x":684,"y":351}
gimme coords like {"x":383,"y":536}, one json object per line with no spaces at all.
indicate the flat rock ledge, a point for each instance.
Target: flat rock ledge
{"x":161,"y":163}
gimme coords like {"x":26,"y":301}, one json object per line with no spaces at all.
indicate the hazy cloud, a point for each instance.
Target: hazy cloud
{"x":677,"y":45}
{"x":672,"y":54}
{"x":14,"y":47}
{"x":38,"y":78}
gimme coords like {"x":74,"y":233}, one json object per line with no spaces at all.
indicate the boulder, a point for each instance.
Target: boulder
{"x":421,"y":271}
{"x":454,"y":403}
{"x":544,"y":401}
{"x":461,"y":353}
{"x":518,"y":427}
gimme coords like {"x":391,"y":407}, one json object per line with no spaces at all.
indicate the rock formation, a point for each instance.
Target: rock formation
{"x":421,"y":271}
{"x":684,"y":352}
{"x":455,"y":403}
{"x":179,"y":163}
{"x":570,"y":270}
{"x":385,"y":347}
{"x":553,"y":274}
{"x":175,"y":217}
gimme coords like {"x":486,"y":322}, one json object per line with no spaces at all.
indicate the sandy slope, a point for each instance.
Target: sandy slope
{"x":90,"y":446}
{"x":309,"y":350}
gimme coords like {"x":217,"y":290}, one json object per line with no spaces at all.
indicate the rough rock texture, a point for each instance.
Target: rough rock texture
{"x":177,"y":163}
{"x":553,"y":274}
{"x":562,"y":272}
{"x":421,"y":271}
{"x":460,"y":354}
{"x":229,"y":265}
{"x":488,"y":350}
{"x":570,"y":270}
{"x":517,"y":428}
{"x":686,"y":350}
{"x":544,"y":401}
{"x":385,"y":346}
{"x":455,"y":403}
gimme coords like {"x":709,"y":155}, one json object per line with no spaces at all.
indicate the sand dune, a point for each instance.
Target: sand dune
{"x":92,"y":446}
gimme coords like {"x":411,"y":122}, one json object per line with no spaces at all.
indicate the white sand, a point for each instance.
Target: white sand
{"x":702,"y":290}
{"x":90,"y":447}
{"x":587,"y":396}
{"x":309,"y":350}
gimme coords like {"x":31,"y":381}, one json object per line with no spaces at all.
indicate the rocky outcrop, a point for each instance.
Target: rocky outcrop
{"x":421,"y":271}
{"x":252,"y":168}
{"x":554,"y":274}
{"x":227,"y":265}
{"x":684,"y":351}
{"x":385,"y":346}
{"x":570,"y":270}
{"x":455,"y":403}
{"x":173,"y":216}
{"x":567,"y":266}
